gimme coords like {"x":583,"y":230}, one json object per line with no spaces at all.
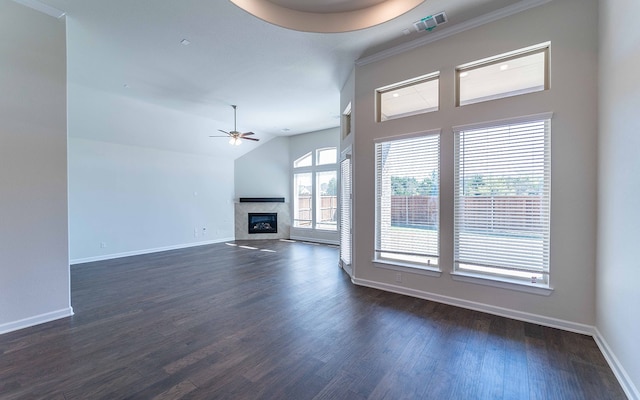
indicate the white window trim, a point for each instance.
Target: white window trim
{"x":420,"y":269}
{"x":541,"y":47}
{"x":314,"y":169}
{"x":397,"y":265}
{"x":505,"y":121}
{"x":433,"y":76}
{"x":409,"y":135}
{"x":544,"y":289}
{"x":502,"y":282}
{"x":509,"y":54}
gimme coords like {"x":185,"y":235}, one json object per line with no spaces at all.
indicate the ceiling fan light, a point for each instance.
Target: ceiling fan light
{"x":232,"y":141}
{"x":238,"y":142}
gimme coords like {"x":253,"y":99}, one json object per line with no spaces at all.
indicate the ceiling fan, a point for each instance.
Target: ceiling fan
{"x":235,"y":136}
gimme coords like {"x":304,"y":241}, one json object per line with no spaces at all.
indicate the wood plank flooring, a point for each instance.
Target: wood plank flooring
{"x":227,"y":322}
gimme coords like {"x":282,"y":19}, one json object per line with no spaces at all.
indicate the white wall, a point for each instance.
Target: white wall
{"x":264,"y":172}
{"x":306,"y":142}
{"x":34,"y":260}
{"x":618,"y":270}
{"x":571,"y":26}
{"x":134,"y":200}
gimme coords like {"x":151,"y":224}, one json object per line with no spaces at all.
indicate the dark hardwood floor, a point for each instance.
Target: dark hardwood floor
{"x":225,"y":322}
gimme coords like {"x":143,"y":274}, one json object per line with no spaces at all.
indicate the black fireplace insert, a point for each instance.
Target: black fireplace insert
{"x":263,"y":222}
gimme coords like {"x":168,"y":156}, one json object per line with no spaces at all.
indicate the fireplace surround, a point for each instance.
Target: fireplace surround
{"x":261,"y":205}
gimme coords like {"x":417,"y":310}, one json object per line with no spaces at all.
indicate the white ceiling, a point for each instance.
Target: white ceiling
{"x":279,"y":78}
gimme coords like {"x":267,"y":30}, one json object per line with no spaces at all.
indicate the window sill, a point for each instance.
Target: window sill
{"x":504,"y":283}
{"x":407,"y":267}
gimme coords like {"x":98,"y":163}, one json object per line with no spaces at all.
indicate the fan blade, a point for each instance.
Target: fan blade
{"x":248,"y":138}
{"x":219,"y":136}
{"x":246,"y":134}
{"x":224,"y":132}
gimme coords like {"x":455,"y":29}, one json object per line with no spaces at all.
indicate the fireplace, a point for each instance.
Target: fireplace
{"x":263,"y":222}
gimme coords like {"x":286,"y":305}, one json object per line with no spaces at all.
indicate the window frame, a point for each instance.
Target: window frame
{"x":433,"y":76}
{"x":314,"y":169}
{"x":501,"y":58}
{"x":504,"y":279}
{"x":303,"y":157}
{"x":296,"y":201}
{"x":323,"y":149}
{"x":425,"y":268}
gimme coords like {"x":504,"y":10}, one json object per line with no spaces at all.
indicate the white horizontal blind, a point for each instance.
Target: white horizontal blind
{"x":502,"y":200}
{"x":407,"y":199}
{"x":345,"y":211}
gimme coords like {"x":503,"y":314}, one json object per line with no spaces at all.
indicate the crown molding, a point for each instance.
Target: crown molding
{"x":452,"y":30}
{"x":43,"y":8}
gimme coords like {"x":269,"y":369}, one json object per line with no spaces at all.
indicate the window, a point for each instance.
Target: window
{"x":327,"y":200}
{"x":326,"y":156}
{"x":304,"y":161}
{"x":302,"y":187}
{"x":346,"y":121}
{"x":502,"y":200}
{"x":315,"y":190}
{"x":511,"y":74}
{"x":345,"y":210}
{"x":403,"y":99}
{"x":407,"y":200}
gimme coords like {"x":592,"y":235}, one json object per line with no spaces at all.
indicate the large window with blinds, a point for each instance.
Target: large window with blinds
{"x":407,"y":200}
{"x":502,"y":200}
{"x":345,"y":211}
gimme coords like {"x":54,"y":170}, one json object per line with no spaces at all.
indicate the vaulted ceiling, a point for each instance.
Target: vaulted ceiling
{"x":284,"y":81}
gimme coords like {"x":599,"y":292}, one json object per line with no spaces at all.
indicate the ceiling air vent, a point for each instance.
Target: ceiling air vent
{"x":430,"y":22}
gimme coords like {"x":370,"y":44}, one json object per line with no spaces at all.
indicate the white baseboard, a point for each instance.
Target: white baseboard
{"x":472,"y":305}
{"x":629,"y":388}
{"x":315,"y":240}
{"x":348,"y":268}
{"x":35,"y":320}
{"x":147,"y":251}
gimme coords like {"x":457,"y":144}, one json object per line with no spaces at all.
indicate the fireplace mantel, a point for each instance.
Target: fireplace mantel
{"x":261,"y":199}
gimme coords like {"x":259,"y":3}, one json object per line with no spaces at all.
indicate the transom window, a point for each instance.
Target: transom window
{"x":403,"y":99}
{"x":326,"y":156}
{"x":519,"y":72}
{"x":304,"y":161}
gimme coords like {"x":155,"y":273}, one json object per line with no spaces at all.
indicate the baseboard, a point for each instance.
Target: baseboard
{"x":348,"y":268}
{"x":623,"y":378}
{"x":315,"y":240}
{"x":472,"y":305}
{"x":629,"y":388}
{"x":35,"y":320}
{"x":147,"y":251}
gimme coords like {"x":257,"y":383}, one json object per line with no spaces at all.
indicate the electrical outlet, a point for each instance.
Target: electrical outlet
{"x":398,"y":277}
{"x":195,"y":232}
{"x":103,"y":245}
